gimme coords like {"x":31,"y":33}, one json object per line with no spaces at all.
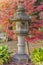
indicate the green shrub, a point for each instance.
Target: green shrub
{"x":5,"y":54}
{"x":37,"y":56}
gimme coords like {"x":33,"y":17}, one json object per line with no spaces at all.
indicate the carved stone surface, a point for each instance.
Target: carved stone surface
{"x":20,"y":15}
{"x":21,"y":58}
{"x":21,"y":20}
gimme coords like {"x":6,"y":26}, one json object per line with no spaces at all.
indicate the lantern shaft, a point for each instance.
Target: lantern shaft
{"x":21,"y":45}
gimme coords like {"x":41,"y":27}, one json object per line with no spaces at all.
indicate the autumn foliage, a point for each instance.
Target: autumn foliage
{"x":34,"y":8}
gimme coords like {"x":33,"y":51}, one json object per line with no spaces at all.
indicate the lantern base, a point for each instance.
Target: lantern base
{"x":21,"y":58}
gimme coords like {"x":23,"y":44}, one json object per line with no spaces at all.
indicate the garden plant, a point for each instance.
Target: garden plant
{"x":33,"y":7}
{"x":5,"y":54}
{"x":37,"y":56}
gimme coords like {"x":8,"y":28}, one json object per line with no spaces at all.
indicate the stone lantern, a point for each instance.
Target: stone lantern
{"x":22,"y":28}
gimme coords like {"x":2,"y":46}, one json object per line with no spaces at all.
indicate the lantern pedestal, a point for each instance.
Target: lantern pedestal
{"x":21,"y":56}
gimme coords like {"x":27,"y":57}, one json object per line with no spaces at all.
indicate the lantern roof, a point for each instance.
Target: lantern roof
{"x":20,"y":15}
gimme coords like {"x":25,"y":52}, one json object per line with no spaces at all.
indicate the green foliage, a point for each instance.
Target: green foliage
{"x":41,"y":29}
{"x":38,"y":2}
{"x":37,"y":55}
{"x":4,"y":54}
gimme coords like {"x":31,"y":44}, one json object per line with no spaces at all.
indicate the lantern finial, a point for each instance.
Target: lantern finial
{"x":21,"y":1}
{"x":20,"y":6}
{"x":20,"y":14}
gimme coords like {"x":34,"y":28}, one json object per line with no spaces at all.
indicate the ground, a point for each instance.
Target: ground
{"x":12,"y":45}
